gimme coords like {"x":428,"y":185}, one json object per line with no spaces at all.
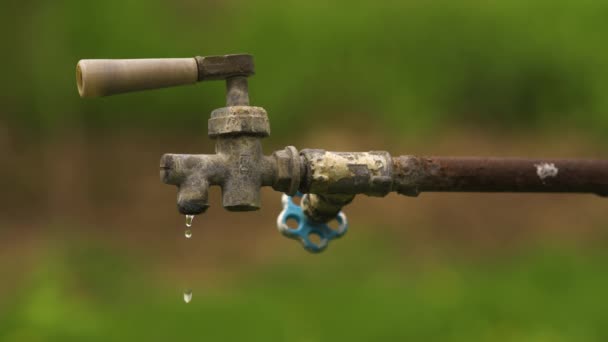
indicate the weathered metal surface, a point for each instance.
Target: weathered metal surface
{"x":347,"y":172}
{"x":238,"y":167}
{"x":244,"y":166}
{"x":239,"y":120}
{"x":223,"y":67}
{"x":237,"y":91}
{"x":330,"y":179}
{"x":417,"y":174}
{"x":324,"y":208}
{"x":288,"y":170}
{"x":192,"y":174}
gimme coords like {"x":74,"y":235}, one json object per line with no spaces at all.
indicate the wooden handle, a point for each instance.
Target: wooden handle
{"x":101,"y":77}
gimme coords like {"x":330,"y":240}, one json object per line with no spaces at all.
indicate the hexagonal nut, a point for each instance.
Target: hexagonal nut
{"x":288,"y":170}
{"x":239,"y":120}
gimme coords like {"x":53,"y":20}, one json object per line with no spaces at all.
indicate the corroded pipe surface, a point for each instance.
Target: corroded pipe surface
{"x":346,"y":172}
{"x":332,"y":179}
{"x":377,"y":174}
{"x":412,"y":175}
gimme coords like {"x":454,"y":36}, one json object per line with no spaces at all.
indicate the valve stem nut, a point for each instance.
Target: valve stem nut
{"x":287,"y":170}
{"x":238,"y":120}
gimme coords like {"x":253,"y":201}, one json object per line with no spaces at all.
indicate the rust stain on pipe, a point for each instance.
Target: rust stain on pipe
{"x":470,"y":174}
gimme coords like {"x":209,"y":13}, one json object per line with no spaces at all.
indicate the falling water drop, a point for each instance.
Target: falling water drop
{"x":187,"y":296}
{"x":188,"y":234}
{"x":189,"y":219}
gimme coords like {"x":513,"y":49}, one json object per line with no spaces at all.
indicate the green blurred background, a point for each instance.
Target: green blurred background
{"x":92,"y":247}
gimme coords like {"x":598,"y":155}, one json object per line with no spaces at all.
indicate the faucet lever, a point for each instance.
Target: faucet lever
{"x":102,"y":77}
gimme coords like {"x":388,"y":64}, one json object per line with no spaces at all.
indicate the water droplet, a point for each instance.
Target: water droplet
{"x":188,"y":233}
{"x":187,"y":296}
{"x":189,"y":219}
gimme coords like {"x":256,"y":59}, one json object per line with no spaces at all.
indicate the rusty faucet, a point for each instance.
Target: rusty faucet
{"x":329,"y":180}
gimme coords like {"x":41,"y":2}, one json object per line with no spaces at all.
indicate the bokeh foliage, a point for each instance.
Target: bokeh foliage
{"x":406,"y":66}
{"x":363,"y":291}
{"x":410,"y":65}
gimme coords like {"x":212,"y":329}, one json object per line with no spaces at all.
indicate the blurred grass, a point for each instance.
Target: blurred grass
{"x":408,"y":65}
{"x":397,"y":67}
{"x":357,"y":291}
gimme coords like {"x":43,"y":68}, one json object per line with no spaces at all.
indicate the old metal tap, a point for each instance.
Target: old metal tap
{"x":328,"y":180}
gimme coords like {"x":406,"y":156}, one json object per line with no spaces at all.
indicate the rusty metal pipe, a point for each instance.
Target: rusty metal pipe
{"x":377,"y":173}
{"x":412,"y":175}
{"x":332,"y":179}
